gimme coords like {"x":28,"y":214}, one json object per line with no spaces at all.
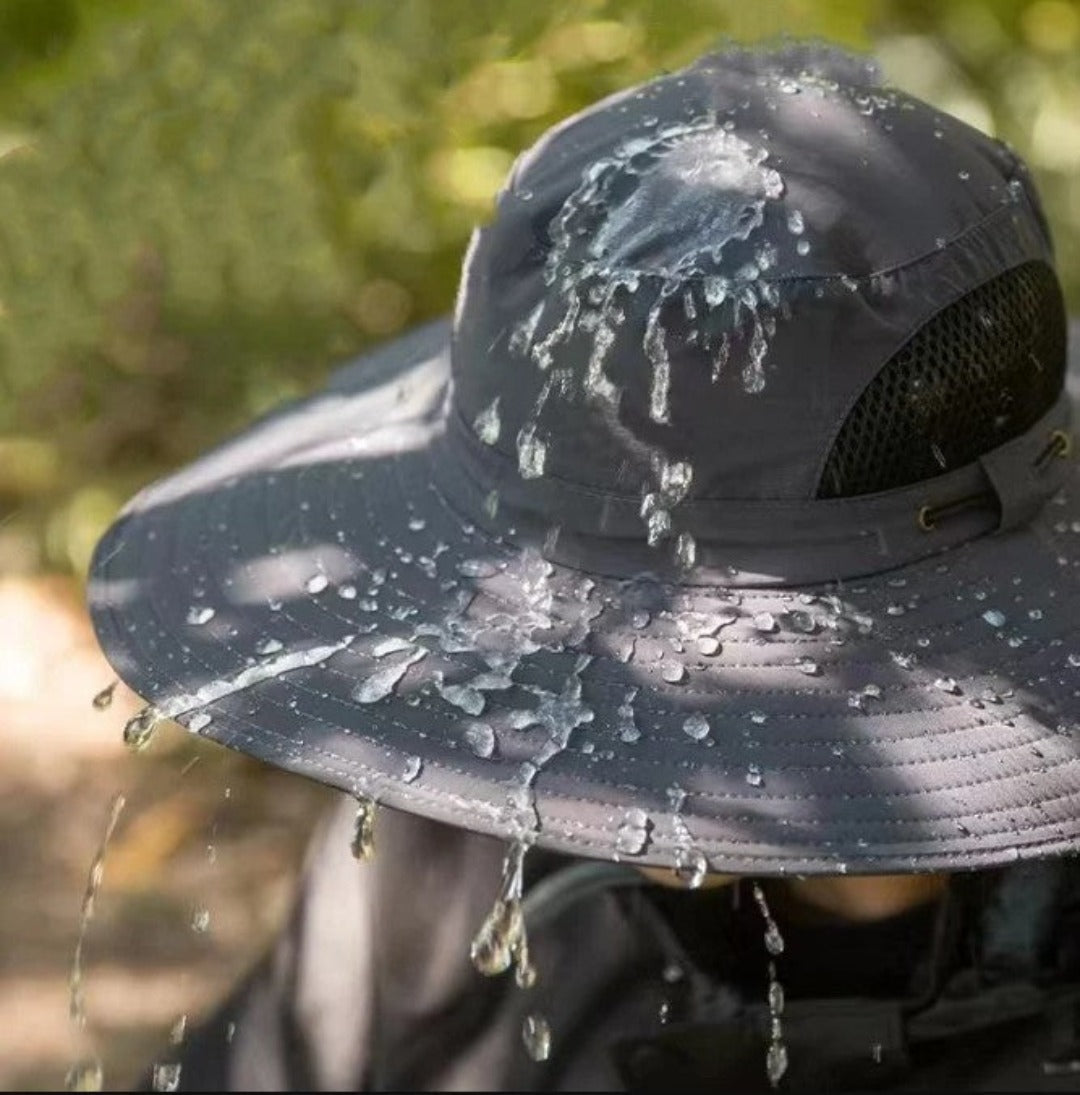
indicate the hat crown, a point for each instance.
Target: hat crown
{"x":694,"y":281}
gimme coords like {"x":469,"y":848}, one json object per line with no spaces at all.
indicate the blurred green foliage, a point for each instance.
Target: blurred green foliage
{"x":208,"y":204}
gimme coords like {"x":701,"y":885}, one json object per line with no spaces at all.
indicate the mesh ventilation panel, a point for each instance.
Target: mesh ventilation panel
{"x":981,"y":372}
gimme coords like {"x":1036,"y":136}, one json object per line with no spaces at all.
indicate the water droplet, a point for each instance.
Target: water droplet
{"x":347,"y":592}
{"x":140,"y":729}
{"x":758,"y":717}
{"x":754,"y":776}
{"x":795,"y":223}
{"x":905,"y":661}
{"x":382,"y":682}
{"x":963,"y":176}
{"x":895,"y":609}
{"x":696,"y":726}
{"x":675,"y":480}
{"x":947,"y":684}
{"x":627,"y":724}
{"x":417,"y":524}
{"x":765,"y":622}
{"x":776,"y":998}
{"x":808,"y":666}
{"x":480,"y":738}
{"x":776,"y":1062}
{"x":640,"y":619}
{"x":1074,"y":660}
{"x":316,"y":583}
{"x":413,"y":767}
{"x":803,"y":247}
{"x":198,"y":615}
{"x":633,"y":832}
{"x":691,"y":866}
{"x":536,"y":1035}
{"x":166,"y":1077}
{"x":477,"y":568}
{"x":363,"y":839}
{"x":673,"y":672}
{"x":105,"y":697}
{"x":709,"y":645}
{"x":493,"y":947}
{"x":994,"y":617}
{"x":200,"y":921}
{"x":178,"y":1031}
{"x":532,"y":452}
{"x":685,"y":551}
{"x":487,"y":423}
{"x":268,"y":646}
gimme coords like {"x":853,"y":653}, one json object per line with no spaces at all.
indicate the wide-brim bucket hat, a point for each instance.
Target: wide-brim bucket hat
{"x":731,"y":523}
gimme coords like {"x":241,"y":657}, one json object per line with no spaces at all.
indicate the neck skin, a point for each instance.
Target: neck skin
{"x":858,"y":899}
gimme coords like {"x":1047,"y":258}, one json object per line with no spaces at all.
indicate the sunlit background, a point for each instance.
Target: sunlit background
{"x":206,"y":206}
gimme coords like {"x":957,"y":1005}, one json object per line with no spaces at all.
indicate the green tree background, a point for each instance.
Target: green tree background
{"x":207,"y":205}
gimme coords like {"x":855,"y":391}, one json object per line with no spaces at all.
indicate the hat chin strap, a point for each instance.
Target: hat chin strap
{"x":759,"y":543}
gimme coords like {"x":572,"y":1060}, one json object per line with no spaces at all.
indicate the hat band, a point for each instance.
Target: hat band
{"x":754,"y":543}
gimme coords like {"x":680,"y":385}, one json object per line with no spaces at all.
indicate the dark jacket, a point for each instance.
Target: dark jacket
{"x":371,"y":987}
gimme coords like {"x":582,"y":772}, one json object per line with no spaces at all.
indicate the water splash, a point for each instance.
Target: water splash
{"x":139,"y":729}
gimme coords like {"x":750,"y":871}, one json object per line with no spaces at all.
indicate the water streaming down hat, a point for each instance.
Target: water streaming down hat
{"x":733,"y":516}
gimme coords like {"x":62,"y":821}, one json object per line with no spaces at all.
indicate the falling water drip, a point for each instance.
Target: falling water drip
{"x":105,"y":697}
{"x":178,"y":1031}
{"x":501,"y":939}
{"x":536,"y":1034}
{"x":166,"y":1077}
{"x":139,"y":730}
{"x":363,"y":839}
{"x":657,"y":353}
{"x":776,"y":1057}
{"x":532,"y":452}
{"x":85,"y":1076}
{"x":685,"y":551}
{"x":88,"y":1075}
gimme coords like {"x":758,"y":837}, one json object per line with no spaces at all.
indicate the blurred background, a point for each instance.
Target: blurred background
{"x":205,"y":206}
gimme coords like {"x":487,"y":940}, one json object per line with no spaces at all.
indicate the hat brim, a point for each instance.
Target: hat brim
{"x":927,"y":718}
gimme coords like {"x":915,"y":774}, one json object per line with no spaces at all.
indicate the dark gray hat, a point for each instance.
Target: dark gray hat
{"x":732,"y":522}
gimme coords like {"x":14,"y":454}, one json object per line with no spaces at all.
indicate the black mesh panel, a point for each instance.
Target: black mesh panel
{"x":982,"y":371}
